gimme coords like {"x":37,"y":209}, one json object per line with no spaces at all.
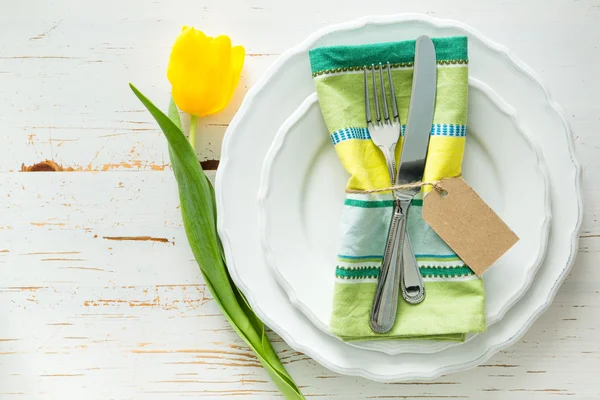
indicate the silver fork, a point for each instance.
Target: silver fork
{"x":385,"y":134}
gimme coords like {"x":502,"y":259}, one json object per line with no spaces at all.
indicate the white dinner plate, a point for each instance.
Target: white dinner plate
{"x":302,"y":193}
{"x":282,"y":89}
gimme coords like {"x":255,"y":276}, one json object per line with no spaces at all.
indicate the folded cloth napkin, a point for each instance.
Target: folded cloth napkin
{"x":455,"y":299}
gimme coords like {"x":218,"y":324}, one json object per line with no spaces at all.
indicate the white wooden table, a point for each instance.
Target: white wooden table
{"x":101,"y":298}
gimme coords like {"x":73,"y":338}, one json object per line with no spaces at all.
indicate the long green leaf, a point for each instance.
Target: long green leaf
{"x":241,"y":325}
{"x":174,"y":116}
{"x":198,"y":209}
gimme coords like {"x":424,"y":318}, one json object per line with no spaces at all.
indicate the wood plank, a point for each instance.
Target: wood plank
{"x":101,"y":296}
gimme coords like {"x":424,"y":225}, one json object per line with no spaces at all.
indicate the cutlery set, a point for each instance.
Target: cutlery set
{"x":399,"y":267}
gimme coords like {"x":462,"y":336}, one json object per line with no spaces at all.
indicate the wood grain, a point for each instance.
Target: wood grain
{"x":101,"y":296}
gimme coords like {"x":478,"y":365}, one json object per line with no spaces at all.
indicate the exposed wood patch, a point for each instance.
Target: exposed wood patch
{"x":46,"y":32}
{"x":47,"y":223}
{"x":137,"y":238}
{"x":51,"y":166}
{"x":132,"y":303}
{"x":562,"y":391}
{"x":44,"y":166}
{"x":162,"y":298}
{"x":498,"y":365}
{"x":209,"y":165}
{"x":39,"y":57}
{"x":225,"y":364}
{"x":52,"y":252}
{"x":247,"y":353}
{"x":212,"y":393}
{"x":135,"y":164}
{"x":89,"y":269}
{"x":221,"y":125}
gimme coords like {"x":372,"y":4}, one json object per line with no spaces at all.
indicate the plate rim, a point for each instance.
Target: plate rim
{"x":388,"y":19}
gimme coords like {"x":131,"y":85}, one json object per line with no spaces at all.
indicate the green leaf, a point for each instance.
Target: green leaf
{"x":198,"y":209}
{"x":174,"y":114}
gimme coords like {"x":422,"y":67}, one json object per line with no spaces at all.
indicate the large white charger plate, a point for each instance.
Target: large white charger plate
{"x":283,"y":88}
{"x":302,"y":192}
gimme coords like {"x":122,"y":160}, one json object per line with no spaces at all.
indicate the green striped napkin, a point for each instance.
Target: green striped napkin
{"x":455,"y":298}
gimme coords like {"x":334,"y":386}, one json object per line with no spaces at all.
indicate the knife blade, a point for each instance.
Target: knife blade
{"x":399,"y":266}
{"x":414,"y":154}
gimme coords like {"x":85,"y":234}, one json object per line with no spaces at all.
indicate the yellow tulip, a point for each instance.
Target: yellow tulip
{"x":203,"y":71}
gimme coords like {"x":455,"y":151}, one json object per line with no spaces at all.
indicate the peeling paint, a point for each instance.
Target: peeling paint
{"x":137,"y":238}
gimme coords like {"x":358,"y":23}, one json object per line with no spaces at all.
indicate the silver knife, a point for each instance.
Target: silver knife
{"x":399,"y":267}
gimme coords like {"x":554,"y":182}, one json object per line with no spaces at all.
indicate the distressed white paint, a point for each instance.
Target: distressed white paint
{"x":86,"y":317}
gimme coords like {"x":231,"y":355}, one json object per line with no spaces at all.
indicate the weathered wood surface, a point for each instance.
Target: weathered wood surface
{"x":101,"y":298}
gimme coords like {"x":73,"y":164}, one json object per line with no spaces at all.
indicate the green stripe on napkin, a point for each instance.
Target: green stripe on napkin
{"x":334,"y":57}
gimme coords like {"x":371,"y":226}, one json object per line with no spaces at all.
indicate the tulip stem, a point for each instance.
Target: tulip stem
{"x":193,"y":122}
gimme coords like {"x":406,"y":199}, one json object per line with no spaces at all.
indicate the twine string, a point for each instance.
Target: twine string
{"x":435,"y":184}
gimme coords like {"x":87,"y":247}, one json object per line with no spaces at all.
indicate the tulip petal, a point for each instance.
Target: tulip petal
{"x":233,"y":78}
{"x":203,"y":71}
{"x":220,"y":76}
{"x":188,"y":69}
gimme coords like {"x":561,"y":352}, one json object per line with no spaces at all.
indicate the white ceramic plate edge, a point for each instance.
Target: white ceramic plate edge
{"x":263,"y":192}
{"x":304,"y":46}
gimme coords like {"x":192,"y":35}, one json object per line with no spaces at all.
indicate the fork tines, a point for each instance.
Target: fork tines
{"x":380,"y":95}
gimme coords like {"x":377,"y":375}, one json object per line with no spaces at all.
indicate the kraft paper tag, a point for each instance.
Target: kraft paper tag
{"x":467,"y":224}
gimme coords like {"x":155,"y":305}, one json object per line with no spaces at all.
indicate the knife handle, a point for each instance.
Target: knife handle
{"x":385,"y":303}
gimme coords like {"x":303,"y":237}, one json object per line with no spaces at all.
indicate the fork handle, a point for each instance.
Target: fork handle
{"x":385,"y":303}
{"x":390,"y":160}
